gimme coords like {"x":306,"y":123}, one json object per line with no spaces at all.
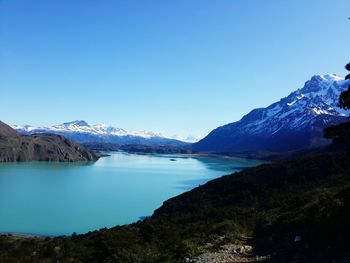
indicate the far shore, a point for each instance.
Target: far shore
{"x":24,"y":235}
{"x":214,"y":155}
{"x":196,"y":155}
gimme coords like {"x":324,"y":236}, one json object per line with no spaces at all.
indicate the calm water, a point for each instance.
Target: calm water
{"x":58,"y":198}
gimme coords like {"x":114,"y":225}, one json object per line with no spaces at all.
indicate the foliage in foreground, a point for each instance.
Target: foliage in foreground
{"x":307,"y":197}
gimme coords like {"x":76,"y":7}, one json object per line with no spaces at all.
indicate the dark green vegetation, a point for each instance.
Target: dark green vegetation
{"x":306,"y":196}
{"x":40,"y":147}
{"x":344,"y":99}
{"x":340,"y":134}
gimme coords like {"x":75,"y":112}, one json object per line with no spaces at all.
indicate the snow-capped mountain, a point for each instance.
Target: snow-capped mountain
{"x":296,"y":122}
{"x":189,"y":139}
{"x":82,"y":132}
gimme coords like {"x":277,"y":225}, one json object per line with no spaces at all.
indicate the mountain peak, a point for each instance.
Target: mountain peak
{"x":76,"y":123}
{"x":327,"y":77}
{"x":295,"y":122}
{"x":327,"y":87}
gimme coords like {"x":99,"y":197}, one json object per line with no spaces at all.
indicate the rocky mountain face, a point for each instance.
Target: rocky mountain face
{"x":82,"y":132}
{"x":294,"y":123}
{"x":40,"y":147}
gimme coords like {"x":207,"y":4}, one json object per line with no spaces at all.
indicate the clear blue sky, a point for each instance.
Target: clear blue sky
{"x":169,"y":66}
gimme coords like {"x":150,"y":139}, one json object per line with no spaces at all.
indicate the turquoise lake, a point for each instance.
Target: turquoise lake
{"x":60,"y":198}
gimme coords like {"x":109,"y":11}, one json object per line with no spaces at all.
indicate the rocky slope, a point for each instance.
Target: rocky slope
{"x":40,"y":147}
{"x":294,"y":123}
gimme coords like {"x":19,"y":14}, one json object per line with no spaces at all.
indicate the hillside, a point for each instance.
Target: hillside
{"x":294,"y":123}
{"x":40,"y":147}
{"x":295,"y":211}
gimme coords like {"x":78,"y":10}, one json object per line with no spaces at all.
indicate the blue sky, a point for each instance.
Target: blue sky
{"x":175,"y":67}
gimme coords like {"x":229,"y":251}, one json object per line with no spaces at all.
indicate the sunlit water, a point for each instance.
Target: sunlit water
{"x":60,"y":198}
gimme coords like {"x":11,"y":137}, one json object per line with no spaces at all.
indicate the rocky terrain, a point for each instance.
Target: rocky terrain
{"x":239,"y":250}
{"x":295,"y":123}
{"x":40,"y":147}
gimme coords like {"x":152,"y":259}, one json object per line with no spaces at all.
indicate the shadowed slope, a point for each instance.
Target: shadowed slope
{"x":305,"y":197}
{"x":40,"y":147}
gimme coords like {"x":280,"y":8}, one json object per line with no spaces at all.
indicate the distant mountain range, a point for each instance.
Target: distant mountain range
{"x":294,"y":123}
{"x":82,"y":132}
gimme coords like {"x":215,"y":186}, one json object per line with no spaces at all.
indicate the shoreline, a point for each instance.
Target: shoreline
{"x":25,"y":235}
{"x":224,"y":156}
{"x":197,"y":155}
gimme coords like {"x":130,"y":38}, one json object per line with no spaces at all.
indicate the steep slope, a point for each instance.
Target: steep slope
{"x":294,"y":123}
{"x":40,"y":147}
{"x":6,"y":130}
{"x":306,"y":197}
{"x":82,"y":132}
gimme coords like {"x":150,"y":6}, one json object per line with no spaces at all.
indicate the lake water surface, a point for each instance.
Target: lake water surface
{"x":60,"y":198}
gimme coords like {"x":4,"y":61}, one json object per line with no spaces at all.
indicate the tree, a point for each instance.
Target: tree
{"x":340,"y":134}
{"x":344,"y":99}
{"x":347,"y":66}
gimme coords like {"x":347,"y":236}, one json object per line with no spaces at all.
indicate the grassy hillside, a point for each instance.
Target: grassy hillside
{"x":307,"y":198}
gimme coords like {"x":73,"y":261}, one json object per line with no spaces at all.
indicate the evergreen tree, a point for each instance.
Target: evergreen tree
{"x":340,"y":134}
{"x":344,"y":99}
